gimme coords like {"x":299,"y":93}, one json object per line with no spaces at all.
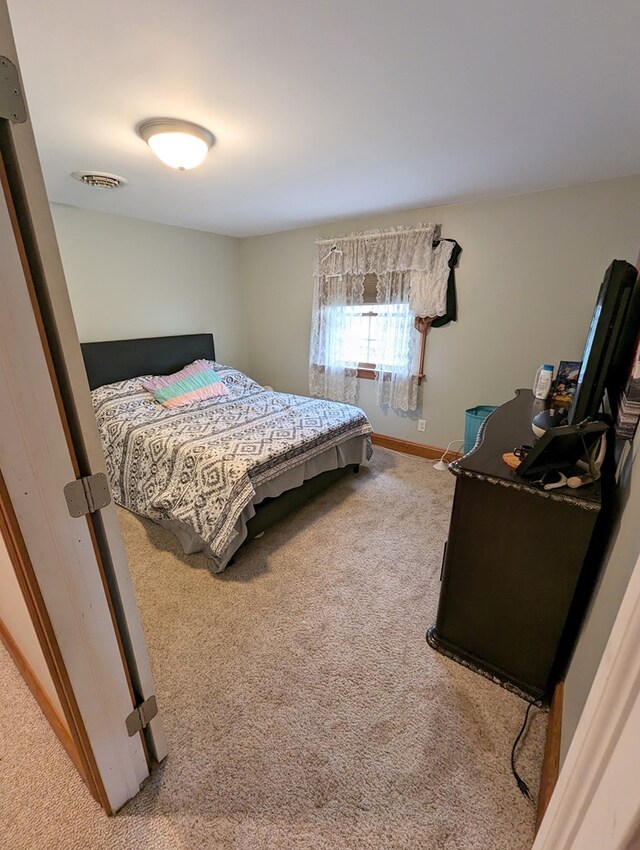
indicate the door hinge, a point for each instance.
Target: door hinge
{"x":12,"y":106}
{"x":87,"y":495}
{"x":141,"y":716}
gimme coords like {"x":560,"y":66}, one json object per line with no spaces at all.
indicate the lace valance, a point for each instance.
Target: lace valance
{"x":395,"y":249}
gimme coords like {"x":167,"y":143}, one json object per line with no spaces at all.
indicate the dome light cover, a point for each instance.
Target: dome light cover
{"x":179,"y":144}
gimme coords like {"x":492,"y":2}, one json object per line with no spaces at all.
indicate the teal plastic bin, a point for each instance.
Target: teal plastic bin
{"x":473,"y":419}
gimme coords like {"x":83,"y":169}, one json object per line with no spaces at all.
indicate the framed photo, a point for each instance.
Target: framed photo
{"x":564,"y":387}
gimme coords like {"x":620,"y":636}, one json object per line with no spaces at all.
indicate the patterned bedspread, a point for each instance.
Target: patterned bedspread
{"x":200,"y":464}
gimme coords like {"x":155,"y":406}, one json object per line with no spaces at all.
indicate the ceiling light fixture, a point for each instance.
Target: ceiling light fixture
{"x":179,"y":144}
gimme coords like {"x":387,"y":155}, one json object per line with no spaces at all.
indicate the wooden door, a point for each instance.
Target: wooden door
{"x":73,"y":572}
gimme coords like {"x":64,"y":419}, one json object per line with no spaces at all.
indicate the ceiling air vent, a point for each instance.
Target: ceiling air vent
{"x":100,"y":179}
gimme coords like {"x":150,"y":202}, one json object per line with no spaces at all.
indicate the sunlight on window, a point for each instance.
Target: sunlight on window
{"x":368,"y":334}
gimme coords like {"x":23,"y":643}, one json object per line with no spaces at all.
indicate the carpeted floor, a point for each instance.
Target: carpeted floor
{"x":302,"y":706}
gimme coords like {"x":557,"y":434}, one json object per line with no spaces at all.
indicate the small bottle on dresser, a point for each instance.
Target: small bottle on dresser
{"x":543,"y":381}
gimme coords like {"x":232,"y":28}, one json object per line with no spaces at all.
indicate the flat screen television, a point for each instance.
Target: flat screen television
{"x":609,"y":347}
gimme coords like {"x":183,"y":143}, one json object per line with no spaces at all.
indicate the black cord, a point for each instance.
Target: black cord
{"x":522,"y":785}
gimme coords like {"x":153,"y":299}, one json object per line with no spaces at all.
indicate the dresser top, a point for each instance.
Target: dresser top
{"x":506,"y":428}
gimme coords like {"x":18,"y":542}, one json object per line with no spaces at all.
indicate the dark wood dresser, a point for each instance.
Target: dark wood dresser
{"x":516,"y":562}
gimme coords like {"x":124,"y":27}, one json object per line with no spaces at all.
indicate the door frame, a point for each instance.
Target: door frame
{"x":50,"y":298}
{"x":73,"y":572}
{"x":52,"y":295}
{"x":596,"y":801}
{"x":73,"y":734}
{"x":58,"y":563}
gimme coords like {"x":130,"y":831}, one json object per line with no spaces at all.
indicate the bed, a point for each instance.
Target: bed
{"x":217,"y":472}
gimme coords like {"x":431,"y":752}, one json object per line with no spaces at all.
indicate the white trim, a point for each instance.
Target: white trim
{"x":70,"y":351}
{"x":39,"y":210}
{"x":36,"y":464}
{"x":596,"y":802}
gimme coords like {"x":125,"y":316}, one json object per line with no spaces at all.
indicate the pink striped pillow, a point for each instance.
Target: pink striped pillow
{"x":196,"y":382}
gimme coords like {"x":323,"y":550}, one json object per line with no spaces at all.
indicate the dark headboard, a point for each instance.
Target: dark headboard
{"x":119,"y":359}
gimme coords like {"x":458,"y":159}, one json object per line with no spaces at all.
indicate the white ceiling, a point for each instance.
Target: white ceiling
{"x":325,"y":109}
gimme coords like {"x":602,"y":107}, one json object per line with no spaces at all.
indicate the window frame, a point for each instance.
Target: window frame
{"x":370,"y":371}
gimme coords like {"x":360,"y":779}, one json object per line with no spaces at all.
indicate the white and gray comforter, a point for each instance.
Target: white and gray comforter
{"x":199,"y":465}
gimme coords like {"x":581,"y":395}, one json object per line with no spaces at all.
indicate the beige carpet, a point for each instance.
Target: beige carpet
{"x":303,"y":707}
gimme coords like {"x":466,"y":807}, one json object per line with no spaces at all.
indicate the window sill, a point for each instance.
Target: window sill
{"x":371,"y":374}
{"x":366,"y":373}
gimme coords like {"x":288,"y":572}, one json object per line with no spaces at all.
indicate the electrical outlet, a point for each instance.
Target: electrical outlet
{"x":422,"y":424}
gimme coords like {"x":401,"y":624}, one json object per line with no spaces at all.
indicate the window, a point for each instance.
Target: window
{"x":372,"y":334}
{"x":370,"y":329}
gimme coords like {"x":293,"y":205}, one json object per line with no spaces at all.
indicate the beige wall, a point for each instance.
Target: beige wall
{"x":527,"y":281}
{"x":17,"y":620}
{"x":129,"y":278}
{"x":618,"y":567}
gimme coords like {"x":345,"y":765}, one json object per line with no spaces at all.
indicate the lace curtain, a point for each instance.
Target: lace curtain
{"x":331,"y":374}
{"x":411,"y":279}
{"x":397,"y":385}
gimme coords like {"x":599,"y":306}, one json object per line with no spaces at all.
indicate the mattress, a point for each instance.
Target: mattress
{"x":200,"y":470}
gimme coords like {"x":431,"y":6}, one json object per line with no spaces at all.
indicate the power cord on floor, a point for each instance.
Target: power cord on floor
{"x":522,"y":785}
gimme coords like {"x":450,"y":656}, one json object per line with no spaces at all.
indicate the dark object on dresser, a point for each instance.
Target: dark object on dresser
{"x":516,"y":573}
